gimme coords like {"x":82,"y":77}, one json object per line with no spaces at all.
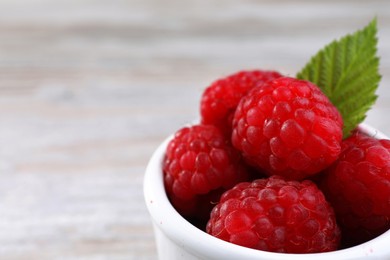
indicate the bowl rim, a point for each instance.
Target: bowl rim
{"x":183,"y":233}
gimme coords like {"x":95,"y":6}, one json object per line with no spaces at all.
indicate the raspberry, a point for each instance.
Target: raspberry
{"x":199,"y":164}
{"x":287,"y":127}
{"x":358,"y":187}
{"x":276,"y":215}
{"x":220,"y":99}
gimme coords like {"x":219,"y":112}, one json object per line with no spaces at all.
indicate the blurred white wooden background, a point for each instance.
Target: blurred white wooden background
{"x":88,"y":89}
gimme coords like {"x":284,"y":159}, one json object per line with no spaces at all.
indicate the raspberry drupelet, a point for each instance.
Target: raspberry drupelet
{"x":220,"y":99}
{"x":288,"y":127}
{"x":199,"y":164}
{"x":358,"y":186}
{"x":276,"y":215}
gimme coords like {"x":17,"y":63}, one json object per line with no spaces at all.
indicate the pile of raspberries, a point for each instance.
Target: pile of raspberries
{"x":267,"y":168}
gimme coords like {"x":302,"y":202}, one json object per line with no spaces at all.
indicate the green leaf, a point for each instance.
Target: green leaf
{"x":347,"y":71}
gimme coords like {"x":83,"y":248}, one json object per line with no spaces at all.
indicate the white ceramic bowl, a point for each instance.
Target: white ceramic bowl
{"x":176,"y":238}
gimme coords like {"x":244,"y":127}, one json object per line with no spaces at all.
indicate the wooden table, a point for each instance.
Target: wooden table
{"x":89,"y":88}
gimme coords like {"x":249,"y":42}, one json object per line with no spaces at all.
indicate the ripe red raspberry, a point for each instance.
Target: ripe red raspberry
{"x":287,"y":127}
{"x":276,"y":215}
{"x":358,"y":187}
{"x":199,"y":164}
{"x":220,"y":99}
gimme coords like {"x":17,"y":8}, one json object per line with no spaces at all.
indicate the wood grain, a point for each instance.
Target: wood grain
{"x":89,"y":88}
